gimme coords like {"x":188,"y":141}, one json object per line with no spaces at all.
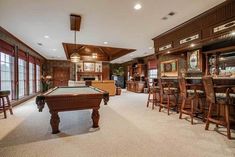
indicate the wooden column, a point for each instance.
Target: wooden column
{"x":207,"y":65}
{"x":76,"y":71}
{"x":35,"y":77}
{"x":27,"y":73}
{"x":16,"y":74}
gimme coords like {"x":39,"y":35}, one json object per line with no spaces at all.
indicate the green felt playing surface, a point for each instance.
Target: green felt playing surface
{"x":74,"y":90}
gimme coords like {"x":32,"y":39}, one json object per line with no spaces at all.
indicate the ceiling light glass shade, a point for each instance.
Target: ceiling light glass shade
{"x":75,"y":57}
{"x":233,"y":33}
{"x":137,"y":7}
{"x":94,"y":55}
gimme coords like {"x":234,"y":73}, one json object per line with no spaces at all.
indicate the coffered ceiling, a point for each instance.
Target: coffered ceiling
{"x":111,"y":23}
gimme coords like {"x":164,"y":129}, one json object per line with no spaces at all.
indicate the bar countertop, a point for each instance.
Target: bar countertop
{"x":199,"y":78}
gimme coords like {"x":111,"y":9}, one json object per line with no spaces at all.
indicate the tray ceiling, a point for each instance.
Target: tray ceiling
{"x":103,"y":53}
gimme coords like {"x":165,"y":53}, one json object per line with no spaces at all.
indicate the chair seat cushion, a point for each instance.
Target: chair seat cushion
{"x":4,"y":93}
{"x":192,"y":91}
{"x":171,"y":88}
{"x":154,"y":89}
{"x":223,"y":95}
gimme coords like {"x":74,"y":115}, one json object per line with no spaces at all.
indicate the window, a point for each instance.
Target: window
{"x":31,"y":78}
{"x":152,"y":73}
{"x":38,"y":76}
{"x":7,"y":73}
{"x":22,"y":77}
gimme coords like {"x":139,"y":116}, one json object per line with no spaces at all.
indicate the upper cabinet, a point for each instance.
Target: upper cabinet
{"x":212,"y":24}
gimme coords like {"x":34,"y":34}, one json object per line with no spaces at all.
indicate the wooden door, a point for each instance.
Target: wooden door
{"x":60,"y":76}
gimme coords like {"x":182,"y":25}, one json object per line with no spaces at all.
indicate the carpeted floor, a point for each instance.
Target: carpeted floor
{"x":127,"y":129}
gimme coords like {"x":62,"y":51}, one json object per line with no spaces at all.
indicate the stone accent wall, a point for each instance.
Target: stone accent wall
{"x":50,"y":64}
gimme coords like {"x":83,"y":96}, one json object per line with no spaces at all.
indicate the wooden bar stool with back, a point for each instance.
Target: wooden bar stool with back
{"x":219,"y":100}
{"x":189,"y":97}
{"x":153,"y":94}
{"x":169,"y":96}
{"x":5,"y":102}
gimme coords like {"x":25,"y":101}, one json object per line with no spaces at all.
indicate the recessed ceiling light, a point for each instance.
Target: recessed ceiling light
{"x":46,"y":36}
{"x":53,"y":49}
{"x":192,"y":45}
{"x":164,"y":18}
{"x":105,"y":42}
{"x":150,"y":48}
{"x":40,"y":44}
{"x":171,"y":13}
{"x":137,"y":6}
{"x":168,"y":52}
{"x":233,"y":33}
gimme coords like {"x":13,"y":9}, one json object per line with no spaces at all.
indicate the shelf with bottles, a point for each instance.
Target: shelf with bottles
{"x":222,"y":64}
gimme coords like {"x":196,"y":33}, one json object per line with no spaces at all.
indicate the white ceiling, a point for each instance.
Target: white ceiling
{"x":114,"y":21}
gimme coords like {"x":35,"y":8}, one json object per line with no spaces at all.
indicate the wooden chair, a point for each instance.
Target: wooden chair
{"x":189,"y":97}
{"x":168,"y":96}
{"x":153,"y":91}
{"x":4,"y":106}
{"x":217,"y":100}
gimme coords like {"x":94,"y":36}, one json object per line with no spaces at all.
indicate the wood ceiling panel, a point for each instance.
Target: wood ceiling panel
{"x":103,"y":53}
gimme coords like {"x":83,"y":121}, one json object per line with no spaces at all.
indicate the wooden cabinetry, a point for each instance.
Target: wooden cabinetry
{"x":213,"y":24}
{"x":137,"y":70}
{"x":136,"y":86}
{"x":137,"y":74}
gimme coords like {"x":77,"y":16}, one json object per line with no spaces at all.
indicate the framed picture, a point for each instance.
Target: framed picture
{"x":193,"y":60}
{"x":89,"y":67}
{"x":169,"y":68}
{"x":98,"y":67}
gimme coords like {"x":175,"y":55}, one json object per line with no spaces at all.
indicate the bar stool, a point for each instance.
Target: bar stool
{"x":168,"y":96}
{"x":189,"y":96}
{"x":153,"y":91}
{"x":4,"y":106}
{"x":217,"y":100}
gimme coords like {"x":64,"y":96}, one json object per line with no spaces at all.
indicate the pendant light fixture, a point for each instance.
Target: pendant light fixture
{"x":75,"y":57}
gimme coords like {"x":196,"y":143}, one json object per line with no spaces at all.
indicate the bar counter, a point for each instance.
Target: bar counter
{"x":198,"y":80}
{"x":136,"y":86}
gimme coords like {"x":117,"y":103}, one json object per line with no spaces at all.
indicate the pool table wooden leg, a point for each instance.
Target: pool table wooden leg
{"x":95,"y":117}
{"x":55,"y":120}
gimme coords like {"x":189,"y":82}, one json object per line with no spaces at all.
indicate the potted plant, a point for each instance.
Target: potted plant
{"x":118,"y":74}
{"x":118,"y":71}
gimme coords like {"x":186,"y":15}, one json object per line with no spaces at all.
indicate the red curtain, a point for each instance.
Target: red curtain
{"x":6,"y":48}
{"x":22,"y":55}
{"x":31,"y":59}
{"x":38,"y":61}
{"x":152,"y":64}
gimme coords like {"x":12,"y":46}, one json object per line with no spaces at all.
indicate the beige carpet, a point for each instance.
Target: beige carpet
{"x":127,"y":129}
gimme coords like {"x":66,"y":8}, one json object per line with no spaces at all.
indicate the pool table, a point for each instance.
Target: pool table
{"x":60,"y":99}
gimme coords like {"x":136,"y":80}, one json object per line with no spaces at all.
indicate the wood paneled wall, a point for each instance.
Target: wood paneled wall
{"x":202,"y":25}
{"x":105,"y":71}
{"x":51,"y":64}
